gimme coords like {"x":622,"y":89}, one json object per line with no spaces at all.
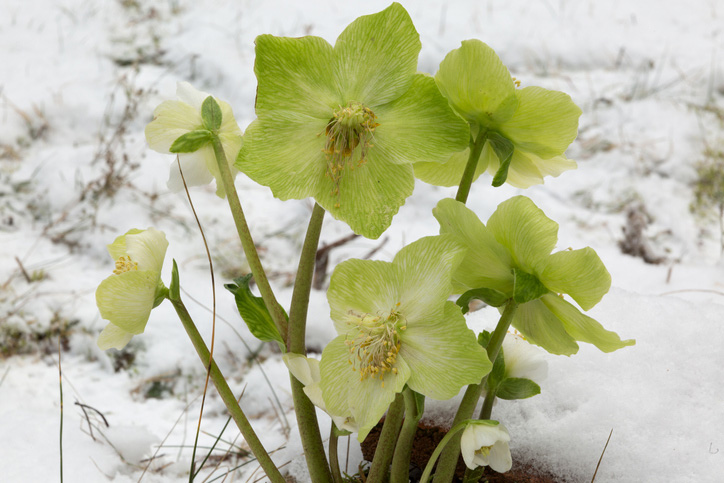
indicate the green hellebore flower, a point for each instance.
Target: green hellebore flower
{"x":485,"y":443}
{"x":173,"y":119}
{"x":539,"y":123}
{"x":343,"y":124}
{"x":515,"y":247}
{"x":127,"y":297}
{"x":397,"y":327}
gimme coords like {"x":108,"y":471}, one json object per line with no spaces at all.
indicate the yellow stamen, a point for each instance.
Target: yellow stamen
{"x":125,"y":264}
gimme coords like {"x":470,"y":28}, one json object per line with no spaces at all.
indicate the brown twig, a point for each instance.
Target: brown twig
{"x":601,"y":458}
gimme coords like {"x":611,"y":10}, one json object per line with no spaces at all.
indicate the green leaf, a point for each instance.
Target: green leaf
{"x":419,"y":403}
{"x":340,"y":432}
{"x":174,"y":289}
{"x":503,"y":148}
{"x":254,"y":312}
{"x":488,"y":295}
{"x":191,"y":141}
{"x":211,"y":114}
{"x":497,"y":374}
{"x":517,"y":388}
{"x":527,"y":287}
{"x":484,"y":339}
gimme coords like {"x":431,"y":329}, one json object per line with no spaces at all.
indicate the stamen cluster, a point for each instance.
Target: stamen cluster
{"x":373,"y":351}
{"x":125,"y":264}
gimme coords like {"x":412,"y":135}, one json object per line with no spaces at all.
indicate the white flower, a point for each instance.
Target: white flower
{"x":485,"y":443}
{"x":523,"y":359}
{"x":173,"y":119}
{"x":306,"y":370}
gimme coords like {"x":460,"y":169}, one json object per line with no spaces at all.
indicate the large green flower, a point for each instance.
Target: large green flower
{"x":343,"y":124}
{"x":538,"y":124}
{"x":397,"y":327}
{"x":127,"y":297}
{"x":511,"y":258}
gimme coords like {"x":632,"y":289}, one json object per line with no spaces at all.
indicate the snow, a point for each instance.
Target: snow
{"x":649,"y":77}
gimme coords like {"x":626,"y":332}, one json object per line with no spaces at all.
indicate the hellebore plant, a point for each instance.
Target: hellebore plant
{"x":350,"y":125}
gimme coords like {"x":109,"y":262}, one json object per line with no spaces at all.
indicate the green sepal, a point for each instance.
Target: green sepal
{"x":161,"y":294}
{"x":527,"y":287}
{"x":503,"y":149}
{"x":211,"y":114}
{"x":254,"y":312}
{"x":497,"y":374}
{"x":191,"y":141}
{"x":517,"y":388}
{"x":419,"y":403}
{"x":340,"y":432}
{"x":490,"y":296}
{"x":484,"y":339}
{"x":174,"y":291}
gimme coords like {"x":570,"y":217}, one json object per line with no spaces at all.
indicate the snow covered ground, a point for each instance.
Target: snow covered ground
{"x":79,"y":80}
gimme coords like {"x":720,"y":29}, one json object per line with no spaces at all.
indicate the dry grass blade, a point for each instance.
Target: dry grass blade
{"x":601,"y":458}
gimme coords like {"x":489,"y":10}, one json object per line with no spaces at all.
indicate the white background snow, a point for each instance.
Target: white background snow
{"x":78,"y":82}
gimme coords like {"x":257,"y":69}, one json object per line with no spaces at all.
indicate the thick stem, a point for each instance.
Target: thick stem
{"x":487,"y":410}
{"x":401,"y":460}
{"x":306,"y":413}
{"x":334,"y":455}
{"x":227,"y":395}
{"x":449,"y":459}
{"x":275,"y":310}
{"x":467,"y":180}
{"x":388,"y":439}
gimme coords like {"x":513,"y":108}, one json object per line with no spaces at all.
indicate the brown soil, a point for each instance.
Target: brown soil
{"x":427,"y":439}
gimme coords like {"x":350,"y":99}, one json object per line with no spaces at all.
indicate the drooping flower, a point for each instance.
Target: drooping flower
{"x":512,"y":256}
{"x":175,"y":118}
{"x":539,"y":124}
{"x":523,"y":360}
{"x":127,"y":297}
{"x":397,"y":327}
{"x":343,"y":124}
{"x":485,"y":443}
{"x":306,"y":370}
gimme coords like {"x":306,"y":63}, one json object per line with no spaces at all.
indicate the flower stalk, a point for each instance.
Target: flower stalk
{"x":388,"y":440}
{"x":467,"y":180}
{"x":400,"y":472}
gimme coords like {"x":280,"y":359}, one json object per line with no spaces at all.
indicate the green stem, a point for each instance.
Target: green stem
{"x":487,"y":410}
{"x":275,"y":310}
{"x":467,"y":180}
{"x":388,"y":439}
{"x":449,"y":458}
{"x":403,"y":450}
{"x":334,"y":455}
{"x":440,"y":447}
{"x":306,"y":413}
{"x":272,"y":472}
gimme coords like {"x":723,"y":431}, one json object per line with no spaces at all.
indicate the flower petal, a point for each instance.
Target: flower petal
{"x":336,"y":375}
{"x":118,"y":248}
{"x":487,"y":264}
{"x":126,"y":300}
{"x":477,"y":84}
{"x":194,"y":169}
{"x":578,"y":273}
{"x":468,"y":446}
{"x":520,"y":226}
{"x":369,"y":194}
{"x":171,"y":120}
{"x":499,"y":458}
{"x":545,"y":123}
{"x":419,"y":126}
{"x":296,"y":75}
{"x":443,"y":354}
{"x":148,"y":249}
{"x":451,"y":171}
{"x":113,"y":337}
{"x":426,"y":267}
{"x":584,"y":328}
{"x":542,"y":327}
{"x":376,"y":56}
{"x":190,"y":95}
{"x":285,"y":154}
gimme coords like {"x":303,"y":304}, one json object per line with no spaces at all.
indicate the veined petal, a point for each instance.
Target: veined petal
{"x":542,"y":327}
{"x":443,"y":354}
{"x":419,"y":126}
{"x":113,"y":337}
{"x":369,"y":194}
{"x":295,"y":74}
{"x":451,"y":171}
{"x":171,"y":120}
{"x":499,"y":458}
{"x":584,"y":328}
{"x":578,"y":273}
{"x":362,"y":287}
{"x":285,"y":154}
{"x":190,"y":95}
{"x":126,"y":300}
{"x":545,"y":123}
{"x":552,"y":166}
{"x":194,"y":169}
{"x":477,"y":84}
{"x":520,"y":226}
{"x":148,"y":249}
{"x":487,"y":264}
{"x":426,"y":267}
{"x":336,"y":375}
{"x":305,"y":370}
{"x":118,"y":248}
{"x":376,"y":56}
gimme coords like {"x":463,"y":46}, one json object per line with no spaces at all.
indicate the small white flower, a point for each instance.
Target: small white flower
{"x":523,"y":359}
{"x":485,"y":443}
{"x":172,"y":119}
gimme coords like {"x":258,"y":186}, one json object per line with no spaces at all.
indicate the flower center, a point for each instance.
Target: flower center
{"x":350,"y":127}
{"x":373,"y":351}
{"x":125,"y":264}
{"x":484,"y":451}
